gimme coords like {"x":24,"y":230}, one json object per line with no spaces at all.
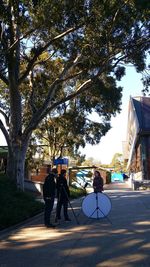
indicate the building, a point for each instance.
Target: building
{"x":137,"y":145}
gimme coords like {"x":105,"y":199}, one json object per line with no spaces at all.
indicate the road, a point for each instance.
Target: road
{"x":120,"y":240}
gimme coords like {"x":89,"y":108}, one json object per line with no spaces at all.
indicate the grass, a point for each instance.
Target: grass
{"x":17,"y":206}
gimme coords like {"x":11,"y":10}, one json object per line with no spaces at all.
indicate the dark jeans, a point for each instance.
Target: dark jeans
{"x":49,"y":203}
{"x":61,"y":203}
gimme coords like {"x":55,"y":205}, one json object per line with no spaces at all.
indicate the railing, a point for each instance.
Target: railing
{"x":143,"y":183}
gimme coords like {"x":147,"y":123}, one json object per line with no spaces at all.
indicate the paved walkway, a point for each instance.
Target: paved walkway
{"x":123,"y":240}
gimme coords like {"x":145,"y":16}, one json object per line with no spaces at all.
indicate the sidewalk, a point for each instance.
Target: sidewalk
{"x":123,"y":240}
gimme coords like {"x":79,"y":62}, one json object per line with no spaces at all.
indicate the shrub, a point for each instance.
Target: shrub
{"x":77,"y":192}
{"x":16,"y":205}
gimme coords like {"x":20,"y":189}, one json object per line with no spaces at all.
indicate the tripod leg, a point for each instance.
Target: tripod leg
{"x":73,"y":212}
{"x":97,"y":205}
{"x":96,"y":209}
{"x":105,"y":215}
{"x":71,"y":206}
{"x":93,"y":213}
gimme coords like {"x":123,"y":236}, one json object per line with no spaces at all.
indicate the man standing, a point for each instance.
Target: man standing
{"x":63,"y":195}
{"x":49,"y":187}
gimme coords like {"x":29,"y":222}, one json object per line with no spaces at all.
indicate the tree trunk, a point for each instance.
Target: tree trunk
{"x":16,"y":163}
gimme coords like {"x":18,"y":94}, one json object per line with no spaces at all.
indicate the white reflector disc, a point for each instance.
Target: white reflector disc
{"x":96,"y":205}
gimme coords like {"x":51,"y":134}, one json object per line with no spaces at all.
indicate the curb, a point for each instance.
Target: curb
{"x":14,"y":227}
{"x":25,"y":222}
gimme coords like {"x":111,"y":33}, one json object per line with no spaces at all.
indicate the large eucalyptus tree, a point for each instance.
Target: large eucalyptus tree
{"x":53,"y":51}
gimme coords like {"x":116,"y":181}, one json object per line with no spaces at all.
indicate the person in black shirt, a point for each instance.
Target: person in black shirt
{"x":49,"y":187}
{"x":63,"y":195}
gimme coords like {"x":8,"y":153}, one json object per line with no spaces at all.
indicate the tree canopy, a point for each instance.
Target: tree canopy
{"x":117,"y":163}
{"x":72,"y":52}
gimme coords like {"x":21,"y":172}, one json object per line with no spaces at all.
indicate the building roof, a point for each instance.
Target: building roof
{"x":142,"y":110}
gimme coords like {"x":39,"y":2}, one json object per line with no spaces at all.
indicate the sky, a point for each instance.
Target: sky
{"x":111,"y":143}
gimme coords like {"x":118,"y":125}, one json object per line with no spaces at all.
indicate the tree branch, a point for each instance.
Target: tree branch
{"x":12,"y":47}
{"x":41,"y":62}
{"x":5,"y":117}
{"x":43,"y":112}
{"x":53,"y":87}
{"x":4,"y":79}
{"x":42,"y":49}
{"x":31,"y":99}
{"x":5,"y":133}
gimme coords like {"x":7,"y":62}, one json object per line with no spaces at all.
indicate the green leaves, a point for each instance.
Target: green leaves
{"x":64,"y":57}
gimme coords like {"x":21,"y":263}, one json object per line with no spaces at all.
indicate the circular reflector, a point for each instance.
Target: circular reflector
{"x":96,"y":205}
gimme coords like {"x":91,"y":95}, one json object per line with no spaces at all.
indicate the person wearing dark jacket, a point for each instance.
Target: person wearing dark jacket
{"x":63,"y":195}
{"x":97,"y":182}
{"x":49,"y":187}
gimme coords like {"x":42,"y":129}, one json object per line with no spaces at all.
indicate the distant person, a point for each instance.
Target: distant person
{"x":97,"y":182}
{"x":49,"y":187}
{"x":63,"y":195}
{"x":125,"y":177}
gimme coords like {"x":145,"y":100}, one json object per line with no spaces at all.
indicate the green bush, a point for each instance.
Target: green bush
{"x":77,"y":192}
{"x":16,"y":205}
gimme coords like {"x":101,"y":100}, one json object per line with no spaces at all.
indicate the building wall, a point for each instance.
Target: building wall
{"x":39,"y":174}
{"x":138,"y":137}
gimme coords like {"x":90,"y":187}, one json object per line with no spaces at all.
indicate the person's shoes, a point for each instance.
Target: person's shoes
{"x":68,"y":220}
{"x":50,"y":225}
